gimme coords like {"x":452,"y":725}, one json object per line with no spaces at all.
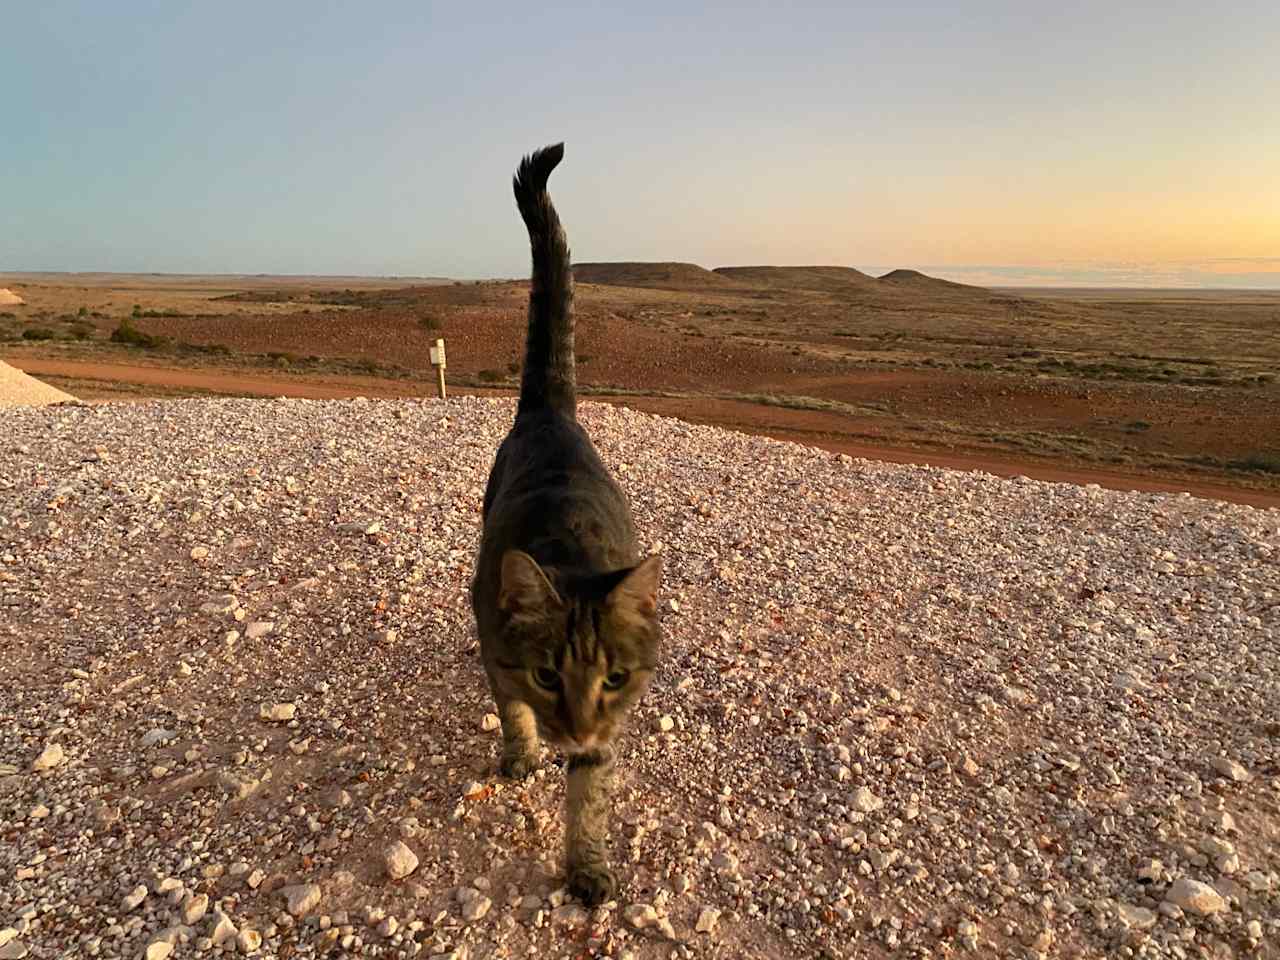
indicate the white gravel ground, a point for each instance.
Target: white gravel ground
{"x":903,"y":711}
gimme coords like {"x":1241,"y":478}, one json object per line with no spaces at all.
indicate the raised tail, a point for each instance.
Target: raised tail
{"x":549,"y":380}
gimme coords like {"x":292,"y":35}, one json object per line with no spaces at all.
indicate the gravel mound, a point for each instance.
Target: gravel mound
{"x":904,"y":711}
{"x":19,"y":390}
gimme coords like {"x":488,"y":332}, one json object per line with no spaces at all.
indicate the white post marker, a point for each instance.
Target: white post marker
{"x":437,"y":358}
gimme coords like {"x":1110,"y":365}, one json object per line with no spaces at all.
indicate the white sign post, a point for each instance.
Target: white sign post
{"x":437,"y":358}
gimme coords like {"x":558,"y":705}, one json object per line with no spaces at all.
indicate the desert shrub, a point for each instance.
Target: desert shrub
{"x":1260,"y":462}
{"x":281,"y":359}
{"x":215,"y":349}
{"x":131,"y":336}
{"x":82,"y":330}
{"x":82,"y":312}
{"x":491,"y":376}
{"x":430,"y":322}
{"x":38,"y":333}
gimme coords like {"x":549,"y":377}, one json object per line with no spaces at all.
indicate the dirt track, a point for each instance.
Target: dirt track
{"x":816,"y":428}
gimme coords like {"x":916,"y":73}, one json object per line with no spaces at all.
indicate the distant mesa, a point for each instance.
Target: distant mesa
{"x":918,"y":280}
{"x":828,"y":280}
{"x":666,"y":276}
{"x":832,"y":280}
{"x":10,"y":299}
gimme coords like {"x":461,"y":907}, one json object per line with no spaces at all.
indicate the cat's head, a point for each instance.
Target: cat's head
{"x":579,"y":649}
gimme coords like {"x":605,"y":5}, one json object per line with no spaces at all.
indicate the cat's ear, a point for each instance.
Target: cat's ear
{"x":638,"y":591}
{"x":525,"y":588}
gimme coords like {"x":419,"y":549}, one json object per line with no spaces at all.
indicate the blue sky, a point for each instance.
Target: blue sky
{"x":1007,"y":139}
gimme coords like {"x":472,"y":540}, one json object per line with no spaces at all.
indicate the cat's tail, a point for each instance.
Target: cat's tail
{"x":549,"y":380}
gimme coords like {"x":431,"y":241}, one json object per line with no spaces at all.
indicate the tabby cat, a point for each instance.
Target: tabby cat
{"x":565,"y":609}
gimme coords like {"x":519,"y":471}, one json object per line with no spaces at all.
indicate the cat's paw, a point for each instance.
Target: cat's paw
{"x":592,"y":885}
{"x":517,"y":766}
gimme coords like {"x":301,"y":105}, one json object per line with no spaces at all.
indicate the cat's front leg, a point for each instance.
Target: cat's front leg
{"x":519,"y":739}
{"x":587,"y":800}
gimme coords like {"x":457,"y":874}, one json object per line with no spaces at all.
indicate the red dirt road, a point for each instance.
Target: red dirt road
{"x":814,"y":428}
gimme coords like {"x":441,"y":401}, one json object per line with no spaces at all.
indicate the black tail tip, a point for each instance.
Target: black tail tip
{"x":531,"y":177}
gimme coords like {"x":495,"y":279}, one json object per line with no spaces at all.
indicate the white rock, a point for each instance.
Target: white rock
{"x":708,"y":917}
{"x":277,"y":712}
{"x":1195,"y":896}
{"x":476,"y":908}
{"x":258,"y":629}
{"x":249,"y":941}
{"x":194,"y":909}
{"x":158,"y":950}
{"x":223,"y":930}
{"x":134,"y":897}
{"x":640,"y":915}
{"x":400,"y":861}
{"x":157,"y":735}
{"x":301,"y":898}
{"x":864,"y":801}
{"x":1231,"y":770}
{"x":50,"y":757}
{"x":1139,"y":918}
{"x":665,"y":724}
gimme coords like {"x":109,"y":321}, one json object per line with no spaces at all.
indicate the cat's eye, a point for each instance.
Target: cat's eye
{"x":546,"y":678}
{"x":617,"y":679}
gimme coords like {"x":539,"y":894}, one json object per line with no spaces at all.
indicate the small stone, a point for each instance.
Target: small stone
{"x":708,"y":917}
{"x":490,"y":721}
{"x":158,"y":735}
{"x":277,"y":712}
{"x":665,"y":724}
{"x":158,"y":950}
{"x":223,"y":931}
{"x":1231,"y":770}
{"x":1137,"y":918}
{"x":476,"y":908}
{"x":249,"y":941}
{"x":864,"y":801}
{"x":50,"y":757}
{"x":640,"y":915}
{"x":254,"y":880}
{"x":13,"y":950}
{"x":134,"y":897}
{"x":38,"y":812}
{"x":301,"y":898}
{"x":1253,"y":929}
{"x":1195,"y":896}
{"x":969,"y":766}
{"x":400,"y":860}
{"x":388,"y":926}
{"x":258,"y":629}
{"x":194,"y":909}
{"x":199,"y":553}
{"x":184,"y":668}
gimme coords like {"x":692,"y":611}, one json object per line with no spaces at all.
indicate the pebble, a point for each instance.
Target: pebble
{"x":249,"y":941}
{"x":50,"y":757}
{"x":708,"y":917}
{"x":158,"y":950}
{"x":399,"y":860}
{"x":475,"y":908}
{"x":1195,"y":896}
{"x":258,"y":629}
{"x":490,"y":721}
{"x":301,"y":898}
{"x":277,"y":712}
{"x":1231,"y":769}
{"x":640,"y":915}
{"x":133,"y":898}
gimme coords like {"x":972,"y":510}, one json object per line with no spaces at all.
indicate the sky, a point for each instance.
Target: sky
{"x":1120,"y":144}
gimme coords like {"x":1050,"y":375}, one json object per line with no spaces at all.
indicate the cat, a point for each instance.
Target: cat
{"x":565,"y":608}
